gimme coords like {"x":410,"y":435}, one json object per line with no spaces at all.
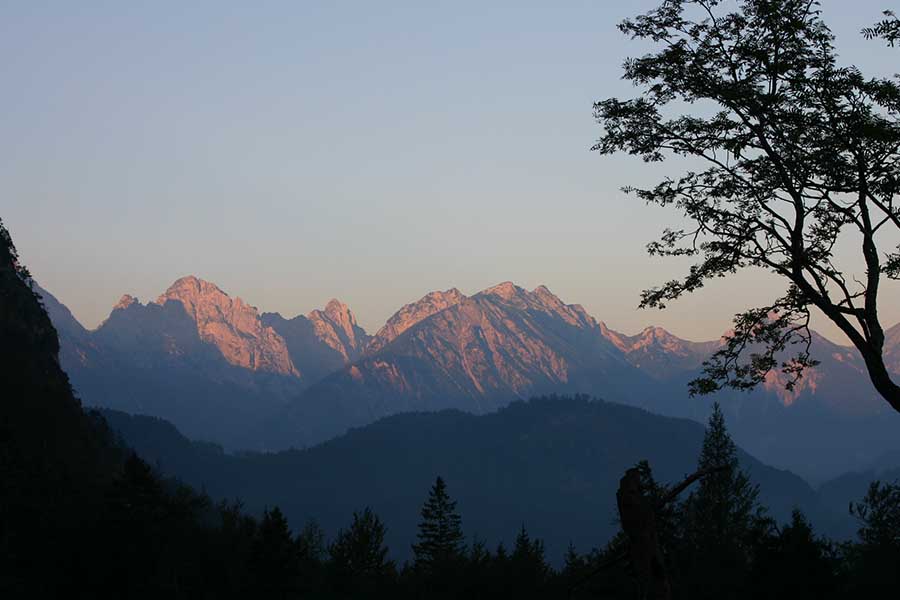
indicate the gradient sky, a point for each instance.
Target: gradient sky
{"x":293,"y":152}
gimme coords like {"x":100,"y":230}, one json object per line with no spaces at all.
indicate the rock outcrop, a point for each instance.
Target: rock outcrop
{"x":473,"y":353}
{"x":232,"y":326}
{"x":659,"y":353}
{"x":322,"y":342}
{"x":413,"y":313}
{"x":336,"y":327}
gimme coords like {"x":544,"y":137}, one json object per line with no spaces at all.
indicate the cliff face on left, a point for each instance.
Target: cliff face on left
{"x":43,"y":428}
{"x":55,"y":459}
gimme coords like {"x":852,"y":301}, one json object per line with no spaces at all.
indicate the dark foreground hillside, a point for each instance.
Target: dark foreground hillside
{"x":81,"y":516}
{"x":552,"y":464}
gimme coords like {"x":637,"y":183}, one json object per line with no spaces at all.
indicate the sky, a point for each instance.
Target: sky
{"x":292,"y":152}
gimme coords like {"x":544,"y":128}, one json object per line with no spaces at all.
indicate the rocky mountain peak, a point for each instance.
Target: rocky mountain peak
{"x":506,"y":290}
{"x":339,"y":312}
{"x":413,"y":313}
{"x":193,"y":291}
{"x":336,"y":327}
{"x":651,"y":337}
{"x":540,"y":299}
{"x":125,"y":301}
{"x":552,"y":302}
{"x":230,"y":324}
{"x":659,"y":337}
{"x":544,"y":292}
{"x":658,"y":352}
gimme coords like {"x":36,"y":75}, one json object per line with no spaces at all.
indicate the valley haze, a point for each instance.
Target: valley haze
{"x":222,"y":371}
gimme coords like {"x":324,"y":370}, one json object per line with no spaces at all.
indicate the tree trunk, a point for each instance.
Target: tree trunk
{"x":881,"y":379}
{"x":638,"y":516}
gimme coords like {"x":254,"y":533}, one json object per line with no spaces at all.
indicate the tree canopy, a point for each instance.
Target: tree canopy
{"x":888,"y":28}
{"x":796,"y":152}
{"x":441,"y":544}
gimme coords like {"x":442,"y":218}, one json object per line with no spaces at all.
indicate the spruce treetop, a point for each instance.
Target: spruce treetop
{"x":440,"y":539}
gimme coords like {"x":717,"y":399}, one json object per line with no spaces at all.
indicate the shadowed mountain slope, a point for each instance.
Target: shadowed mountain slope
{"x":323,"y":341}
{"x":477,"y":354}
{"x":207,"y":362}
{"x":55,"y":461}
{"x":551,"y":463}
{"x":219,"y":370}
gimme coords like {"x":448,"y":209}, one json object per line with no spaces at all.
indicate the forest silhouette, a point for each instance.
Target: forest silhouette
{"x":84,"y":516}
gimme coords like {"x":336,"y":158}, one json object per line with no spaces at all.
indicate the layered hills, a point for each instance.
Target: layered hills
{"x":552,"y":464}
{"x":221,"y":370}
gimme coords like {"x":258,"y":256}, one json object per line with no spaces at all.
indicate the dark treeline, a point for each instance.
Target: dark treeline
{"x":82,"y":516}
{"x":150,"y":538}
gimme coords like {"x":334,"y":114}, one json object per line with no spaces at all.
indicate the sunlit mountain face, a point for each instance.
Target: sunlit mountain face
{"x":221,"y":370}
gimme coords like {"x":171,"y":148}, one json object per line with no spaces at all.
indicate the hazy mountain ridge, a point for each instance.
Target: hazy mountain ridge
{"x":322,"y":341}
{"x":477,"y":354}
{"x":892,"y":348}
{"x":220,"y":370}
{"x":659,"y":353}
{"x":231,"y":325}
{"x":565,"y":455}
{"x":208,"y":362}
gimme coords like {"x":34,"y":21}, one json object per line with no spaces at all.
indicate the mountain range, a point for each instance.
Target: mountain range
{"x":222,"y":371}
{"x":80,"y":494}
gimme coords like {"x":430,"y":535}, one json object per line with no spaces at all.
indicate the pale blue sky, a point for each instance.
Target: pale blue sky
{"x":292,"y":152}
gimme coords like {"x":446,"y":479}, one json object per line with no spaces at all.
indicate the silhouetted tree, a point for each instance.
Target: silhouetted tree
{"x":795,"y":563}
{"x":573,"y":563}
{"x":721,"y":521}
{"x":236,"y":545}
{"x":575,"y":576}
{"x":136,"y":524}
{"x":797,"y":152}
{"x":275,"y":562}
{"x":887,"y":29}
{"x":311,"y":545}
{"x":874,"y":560}
{"x":665,"y":512}
{"x":439,"y":551}
{"x":311,"y":553}
{"x":359,"y":557}
{"x":477,"y":573}
{"x":528,"y":570}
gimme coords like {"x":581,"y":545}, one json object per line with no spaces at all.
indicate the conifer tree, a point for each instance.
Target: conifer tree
{"x":795,"y":562}
{"x":359,"y":555}
{"x":528,"y":566}
{"x":721,"y":518}
{"x":572,"y":561}
{"x":575,"y":567}
{"x":310,"y":544}
{"x":275,"y":562}
{"x":441,"y":542}
{"x":874,"y":560}
{"x":311,"y":552}
{"x":136,"y":524}
{"x":478,"y":570}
